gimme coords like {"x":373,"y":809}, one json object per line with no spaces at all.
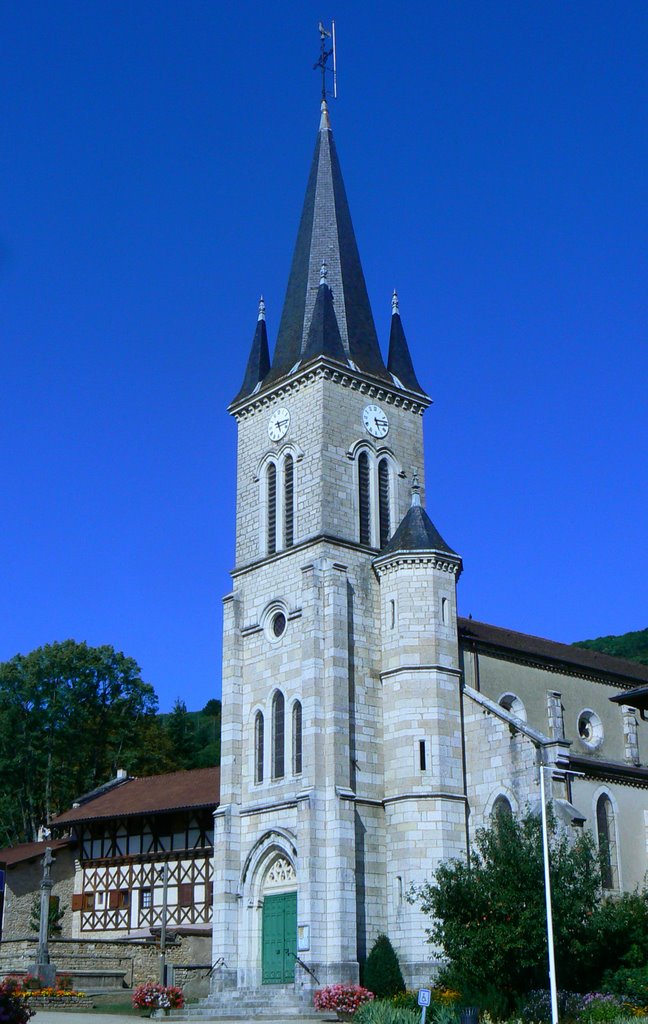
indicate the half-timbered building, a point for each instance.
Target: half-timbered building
{"x":143,"y":845}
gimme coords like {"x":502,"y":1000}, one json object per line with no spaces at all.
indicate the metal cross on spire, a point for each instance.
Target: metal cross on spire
{"x":325,"y":55}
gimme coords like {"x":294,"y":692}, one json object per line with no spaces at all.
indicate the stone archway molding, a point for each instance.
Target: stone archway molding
{"x":274,"y":841}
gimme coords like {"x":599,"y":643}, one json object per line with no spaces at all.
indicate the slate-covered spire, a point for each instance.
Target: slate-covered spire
{"x":417,"y":532}
{"x":399,"y":360}
{"x":324,"y":333}
{"x":326,"y":235}
{"x":258,"y":365}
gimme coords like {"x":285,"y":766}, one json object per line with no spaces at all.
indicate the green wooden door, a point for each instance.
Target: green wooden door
{"x":279,"y":943}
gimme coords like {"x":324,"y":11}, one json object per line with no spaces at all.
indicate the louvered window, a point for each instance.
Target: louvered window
{"x":289,"y":501}
{"x":297,"y":738}
{"x":278,"y":735}
{"x":383,"y":501}
{"x":258,"y":747}
{"x":364,"y":498}
{"x":272,"y":508}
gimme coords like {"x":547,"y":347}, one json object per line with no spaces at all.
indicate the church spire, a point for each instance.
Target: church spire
{"x":326,"y":235}
{"x":399,"y":360}
{"x":258,"y":365}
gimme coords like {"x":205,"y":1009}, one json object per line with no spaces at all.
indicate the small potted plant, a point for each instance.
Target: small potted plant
{"x":150,"y":996}
{"x":343,"y":999}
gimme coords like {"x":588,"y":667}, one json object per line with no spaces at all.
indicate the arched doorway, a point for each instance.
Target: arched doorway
{"x":279,"y":923}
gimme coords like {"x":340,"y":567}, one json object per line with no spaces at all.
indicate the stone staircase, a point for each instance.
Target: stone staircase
{"x":277,"y":1003}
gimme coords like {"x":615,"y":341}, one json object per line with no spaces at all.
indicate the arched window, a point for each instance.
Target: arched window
{"x":606,"y":833}
{"x":297,"y":738}
{"x":501,"y":808}
{"x":289,"y":502}
{"x":364,"y":498}
{"x":510,"y":702}
{"x":271,"y":482}
{"x":383,"y":502}
{"x":258,"y":747}
{"x":278,"y":735}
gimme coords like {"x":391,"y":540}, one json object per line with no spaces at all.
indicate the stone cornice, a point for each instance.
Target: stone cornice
{"x":319,"y":538}
{"x":610,"y":771}
{"x":327,"y":369}
{"x":436,"y":559}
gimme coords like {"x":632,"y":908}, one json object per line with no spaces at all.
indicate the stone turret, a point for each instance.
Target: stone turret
{"x":424,"y":782}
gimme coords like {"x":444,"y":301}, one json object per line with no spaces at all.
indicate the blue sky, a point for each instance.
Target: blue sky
{"x":154,"y":160}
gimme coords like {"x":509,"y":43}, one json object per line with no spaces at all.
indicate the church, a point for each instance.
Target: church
{"x":369,"y":729}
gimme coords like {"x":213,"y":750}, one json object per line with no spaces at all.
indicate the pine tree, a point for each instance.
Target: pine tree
{"x":382,"y":973}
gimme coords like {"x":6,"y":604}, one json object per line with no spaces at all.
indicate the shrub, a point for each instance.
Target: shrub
{"x":383,"y":1011}
{"x":630,"y":982}
{"x":382,"y":973}
{"x":342,"y":998}
{"x":150,"y":996}
{"x":406,"y":1001}
{"x":14,"y":1008}
{"x":64,"y":981}
{"x":600,"y":1009}
{"x":536,"y":1006}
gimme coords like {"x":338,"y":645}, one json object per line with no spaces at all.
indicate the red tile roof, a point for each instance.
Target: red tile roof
{"x":550,"y":650}
{"x":11,"y":855}
{"x":153,"y":794}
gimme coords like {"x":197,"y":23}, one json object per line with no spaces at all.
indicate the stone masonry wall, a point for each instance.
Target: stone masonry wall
{"x":138,"y":961}
{"x":23,"y":886}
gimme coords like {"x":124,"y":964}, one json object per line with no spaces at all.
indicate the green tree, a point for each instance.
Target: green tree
{"x":70,"y":715}
{"x":181,"y":731}
{"x":55,"y":915}
{"x":382,"y":973}
{"x":488,"y":917}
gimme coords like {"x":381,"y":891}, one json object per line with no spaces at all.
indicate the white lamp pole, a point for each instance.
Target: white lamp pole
{"x":547,"y":884}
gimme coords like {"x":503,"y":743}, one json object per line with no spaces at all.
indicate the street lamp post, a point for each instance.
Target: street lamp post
{"x":547,"y":886}
{"x":163,"y":929}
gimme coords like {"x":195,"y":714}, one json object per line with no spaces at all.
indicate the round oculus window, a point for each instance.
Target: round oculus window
{"x":590,"y":729}
{"x":278,"y":624}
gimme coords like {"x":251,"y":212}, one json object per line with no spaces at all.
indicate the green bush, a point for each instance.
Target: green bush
{"x":383,"y":1011}
{"x":382,"y":973}
{"x":630,"y":982}
{"x":600,"y":1009}
{"x":406,"y":1000}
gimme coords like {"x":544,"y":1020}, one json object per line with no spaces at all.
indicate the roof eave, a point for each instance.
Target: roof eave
{"x":360,"y":379}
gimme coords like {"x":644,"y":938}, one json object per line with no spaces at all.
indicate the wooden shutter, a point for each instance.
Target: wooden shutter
{"x":113,"y":899}
{"x":210,"y":893}
{"x":185,"y":894}
{"x":77,"y":900}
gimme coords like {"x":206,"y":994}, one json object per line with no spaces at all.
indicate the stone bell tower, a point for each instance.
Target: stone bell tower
{"x":327,"y":438}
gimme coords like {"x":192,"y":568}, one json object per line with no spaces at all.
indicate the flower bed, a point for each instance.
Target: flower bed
{"x":27,"y":994}
{"x":14,"y":1008}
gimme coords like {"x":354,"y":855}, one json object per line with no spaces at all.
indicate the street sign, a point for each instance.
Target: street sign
{"x":424,"y":996}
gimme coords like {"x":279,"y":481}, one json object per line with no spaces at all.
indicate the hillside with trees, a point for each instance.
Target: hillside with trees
{"x":633,"y":646}
{"x":70,"y":716}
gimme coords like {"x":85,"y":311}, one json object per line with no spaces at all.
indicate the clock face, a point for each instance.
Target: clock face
{"x":278,"y":425}
{"x":375,"y":421}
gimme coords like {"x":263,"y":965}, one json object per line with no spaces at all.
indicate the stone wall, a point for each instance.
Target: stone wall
{"x":137,"y":961}
{"x":23,"y":886}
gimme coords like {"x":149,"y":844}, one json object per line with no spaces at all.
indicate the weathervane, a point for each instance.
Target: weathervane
{"x":325,"y":55}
